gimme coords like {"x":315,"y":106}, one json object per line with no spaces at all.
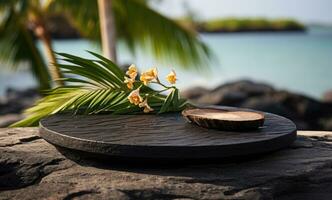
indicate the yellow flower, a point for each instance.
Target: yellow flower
{"x":130,"y":82}
{"x":132,"y":71}
{"x":146,"y":106}
{"x":134,"y":97}
{"x":171,"y":77}
{"x":149,"y":75}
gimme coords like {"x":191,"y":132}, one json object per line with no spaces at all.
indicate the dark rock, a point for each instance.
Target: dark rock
{"x":249,"y":87}
{"x":327,"y":96}
{"x":267,"y":104}
{"x":231,"y":94}
{"x":223,"y":97}
{"x":194,"y":93}
{"x":15,"y":101}
{"x":31,"y":168}
{"x":306,"y":112}
{"x":326,"y":123}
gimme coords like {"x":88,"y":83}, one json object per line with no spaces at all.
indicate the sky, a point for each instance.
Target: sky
{"x":306,"y":11}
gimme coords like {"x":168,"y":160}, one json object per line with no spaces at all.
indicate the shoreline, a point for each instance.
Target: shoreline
{"x":61,"y":28}
{"x":252,"y":31}
{"x":56,"y":36}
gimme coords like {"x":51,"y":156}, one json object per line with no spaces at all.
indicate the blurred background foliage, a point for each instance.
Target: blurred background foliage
{"x":24,"y":22}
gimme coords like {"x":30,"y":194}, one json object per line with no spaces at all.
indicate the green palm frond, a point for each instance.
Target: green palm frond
{"x":96,"y":86}
{"x":167,"y":40}
{"x":140,"y":26}
{"x":18,"y":45}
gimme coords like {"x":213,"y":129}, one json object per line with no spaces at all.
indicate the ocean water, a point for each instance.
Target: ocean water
{"x":299,"y":62}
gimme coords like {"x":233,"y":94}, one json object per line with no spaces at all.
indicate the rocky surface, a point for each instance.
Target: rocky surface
{"x":306,"y":112}
{"x":31,"y":168}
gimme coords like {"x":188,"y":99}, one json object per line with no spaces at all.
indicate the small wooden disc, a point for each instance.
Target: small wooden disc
{"x":229,"y":120}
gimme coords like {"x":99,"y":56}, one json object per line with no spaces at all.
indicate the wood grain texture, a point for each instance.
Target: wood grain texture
{"x":166,"y":136}
{"x":223,"y":119}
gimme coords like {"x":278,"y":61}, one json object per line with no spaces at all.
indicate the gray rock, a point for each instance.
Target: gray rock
{"x":6,"y":120}
{"x":31,"y":168}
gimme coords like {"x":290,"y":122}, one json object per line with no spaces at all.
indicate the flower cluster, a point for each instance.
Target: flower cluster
{"x":132,"y":73}
{"x":149,"y":76}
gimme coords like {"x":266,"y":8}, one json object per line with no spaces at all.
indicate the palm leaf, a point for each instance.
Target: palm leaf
{"x":97,"y":86}
{"x":167,"y":40}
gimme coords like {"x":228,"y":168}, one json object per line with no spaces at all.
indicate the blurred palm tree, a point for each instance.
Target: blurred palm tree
{"x":133,"y":21}
{"x":107,"y":28}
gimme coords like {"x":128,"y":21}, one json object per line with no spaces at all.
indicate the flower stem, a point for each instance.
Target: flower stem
{"x":158,"y":82}
{"x":158,"y":92}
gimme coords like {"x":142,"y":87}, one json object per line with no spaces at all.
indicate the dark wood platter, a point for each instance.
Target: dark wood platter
{"x":166,"y":136}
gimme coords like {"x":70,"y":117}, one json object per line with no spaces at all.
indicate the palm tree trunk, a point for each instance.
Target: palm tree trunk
{"x":45,"y":38}
{"x":107,"y":29}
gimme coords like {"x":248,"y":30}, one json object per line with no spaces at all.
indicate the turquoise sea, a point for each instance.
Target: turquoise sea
{"x":299,"y":62}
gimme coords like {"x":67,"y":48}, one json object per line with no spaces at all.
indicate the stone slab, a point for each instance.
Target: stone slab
{"x":31,"y":168}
